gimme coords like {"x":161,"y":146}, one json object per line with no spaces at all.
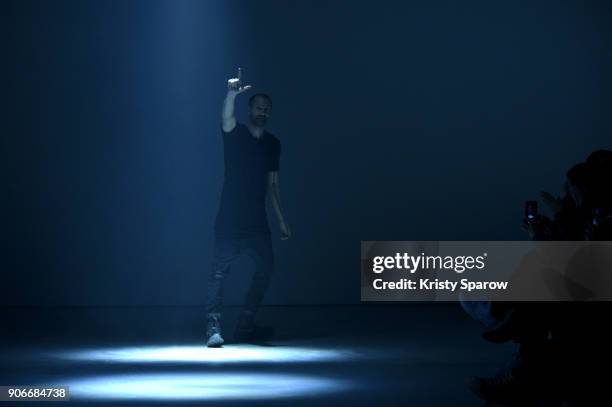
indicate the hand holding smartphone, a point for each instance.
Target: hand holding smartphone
{"x":531,"y":211}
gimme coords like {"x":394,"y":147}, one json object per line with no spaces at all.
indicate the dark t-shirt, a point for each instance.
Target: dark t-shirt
{"x":248,"y":160}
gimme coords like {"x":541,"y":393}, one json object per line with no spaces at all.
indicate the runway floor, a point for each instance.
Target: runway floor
{"x":360,"y":355}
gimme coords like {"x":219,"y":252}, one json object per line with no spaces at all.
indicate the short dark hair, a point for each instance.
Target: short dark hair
{"x":600,"y":158}
{"x":579,"y":175}
{"x":260,"y":95}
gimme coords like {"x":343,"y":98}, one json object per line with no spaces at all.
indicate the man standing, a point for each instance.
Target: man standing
{"x":251,"y":172}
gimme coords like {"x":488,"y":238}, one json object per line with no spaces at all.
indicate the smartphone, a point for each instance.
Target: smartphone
{"x":531,"y":210}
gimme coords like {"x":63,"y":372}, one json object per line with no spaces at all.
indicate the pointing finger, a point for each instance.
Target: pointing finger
{"x":239,"y":74}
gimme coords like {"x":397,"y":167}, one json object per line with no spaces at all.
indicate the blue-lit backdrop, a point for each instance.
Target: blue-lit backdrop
{"x":399,"y":120}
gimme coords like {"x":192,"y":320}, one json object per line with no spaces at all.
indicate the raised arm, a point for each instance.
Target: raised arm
{"x":234,"y":88}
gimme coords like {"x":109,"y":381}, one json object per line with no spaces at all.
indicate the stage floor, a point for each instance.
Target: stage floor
{"x":358,"y":355}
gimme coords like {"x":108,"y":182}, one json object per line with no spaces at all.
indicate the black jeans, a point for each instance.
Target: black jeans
{"x":226,"y":251}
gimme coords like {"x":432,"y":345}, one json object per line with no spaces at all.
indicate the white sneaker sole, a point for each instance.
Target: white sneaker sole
{"x":215,"y":341}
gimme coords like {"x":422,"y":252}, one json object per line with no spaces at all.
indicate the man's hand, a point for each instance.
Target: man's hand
{"x":285,"y":231}
{"x":234,"y":85}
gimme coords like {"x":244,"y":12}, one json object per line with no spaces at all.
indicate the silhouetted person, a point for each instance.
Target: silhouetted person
{"x":558,"y":343}
{"x":580,"y":328}
{"x":251,"y":173}
{"x":600,"y":162}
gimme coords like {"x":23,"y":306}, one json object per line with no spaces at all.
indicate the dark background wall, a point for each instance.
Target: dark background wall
{"x":400,"y":120}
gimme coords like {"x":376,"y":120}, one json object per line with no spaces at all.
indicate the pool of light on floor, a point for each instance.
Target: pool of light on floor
{"x":201,"y":354}
{"x":199,"y":386}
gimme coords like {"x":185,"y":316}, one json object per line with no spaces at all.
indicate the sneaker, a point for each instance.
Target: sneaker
{"x":215,"y":341}
{"x":254,"y":334}
{"x":247,"y":331}
{"x":213,"y":331}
